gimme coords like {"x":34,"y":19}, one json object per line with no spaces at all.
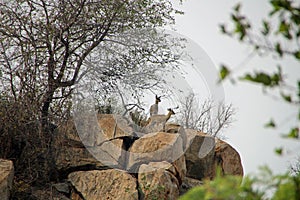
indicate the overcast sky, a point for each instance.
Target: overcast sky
{"x":254,"y":143}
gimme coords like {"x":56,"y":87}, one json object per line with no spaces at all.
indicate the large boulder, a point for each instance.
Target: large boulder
{"x":157,"y":181}
{"x":6,"y":178}
{"x":71,"y":156}
{"x":100,"y":150}
{"x":155,"y":147}
{"x":228,"y":159}
{"x":105,"y":184}
{"x":200,"y":155}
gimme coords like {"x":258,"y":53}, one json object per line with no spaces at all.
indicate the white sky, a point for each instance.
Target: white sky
{"x":254,"y":143}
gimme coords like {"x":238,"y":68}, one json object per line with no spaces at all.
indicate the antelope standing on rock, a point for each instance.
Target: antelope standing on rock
{"x":156,"y":122}
{"x":170,"y":113}
{"x":167,"y":117}
{"x":154,"y":107}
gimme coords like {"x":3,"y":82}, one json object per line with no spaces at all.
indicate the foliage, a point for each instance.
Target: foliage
{"x":208,"y":117}
{"x":279,"y":35}
{"x":265,"y":185}
{"x":21,"y":141}
{"x":139,"y":118}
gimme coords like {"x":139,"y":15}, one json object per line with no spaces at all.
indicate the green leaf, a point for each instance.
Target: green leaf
{"x":297,"y":55}
{"x":224,"y":72}
{"x":278,"y":49}
{"x":287,"y":98}
{"x":279,"y":150}
{"x":260,"y":77}
{"x":223,"y":29}
{"x":299,"y":89}
{"x":266,"y":28}
{"x":276,"y":78}
{"x":237,"y":7}
{"x":294,"y":133}
{"x":284,"y":29}
{"x":270,"y":124}
{"x":234,"y":18}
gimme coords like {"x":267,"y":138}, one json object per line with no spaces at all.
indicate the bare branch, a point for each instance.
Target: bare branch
{"x":205,"y":117}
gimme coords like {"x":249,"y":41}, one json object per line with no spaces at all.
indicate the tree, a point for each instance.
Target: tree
{"x":279,"y":36}
{"x":44,"y":44}
{"x":207,"y":117}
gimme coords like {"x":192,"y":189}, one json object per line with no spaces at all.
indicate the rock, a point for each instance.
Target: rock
{"x":189,"y":183}
{"x":180,"y":167}
{"x":72,"y":154}
{"x":156,"y":182}
{"x":175,"y":128}
{"x":6,"y":178}
{"x":76,"y":196}
{"x":62,"y":187}
{"x":72,"y":158}
{"x":114,"y":126}
{"x":160,"y":165}
{"x":200,"y":155}
{"x":105,"y":184}
{"x":88,"y":129}
{"x":156,"y":124}
{"x":46,"y":193}
{"x":110,"y":153}
{"x":94,"y":130}
{"x":228,"y":159}
{"x":177,"y":168}
{"x":155,"y":147}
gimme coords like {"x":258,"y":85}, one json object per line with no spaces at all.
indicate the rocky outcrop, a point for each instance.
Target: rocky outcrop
{"x":120,"y":163}
{"x":105,"y":184}
{"x":6,"y":178}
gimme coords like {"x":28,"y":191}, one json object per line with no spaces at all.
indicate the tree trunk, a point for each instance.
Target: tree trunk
{"x":46,"y":107}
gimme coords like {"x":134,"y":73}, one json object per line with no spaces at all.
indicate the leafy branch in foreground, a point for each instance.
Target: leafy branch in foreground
{"x":278,"y":36}
{"x":265,"y":186}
